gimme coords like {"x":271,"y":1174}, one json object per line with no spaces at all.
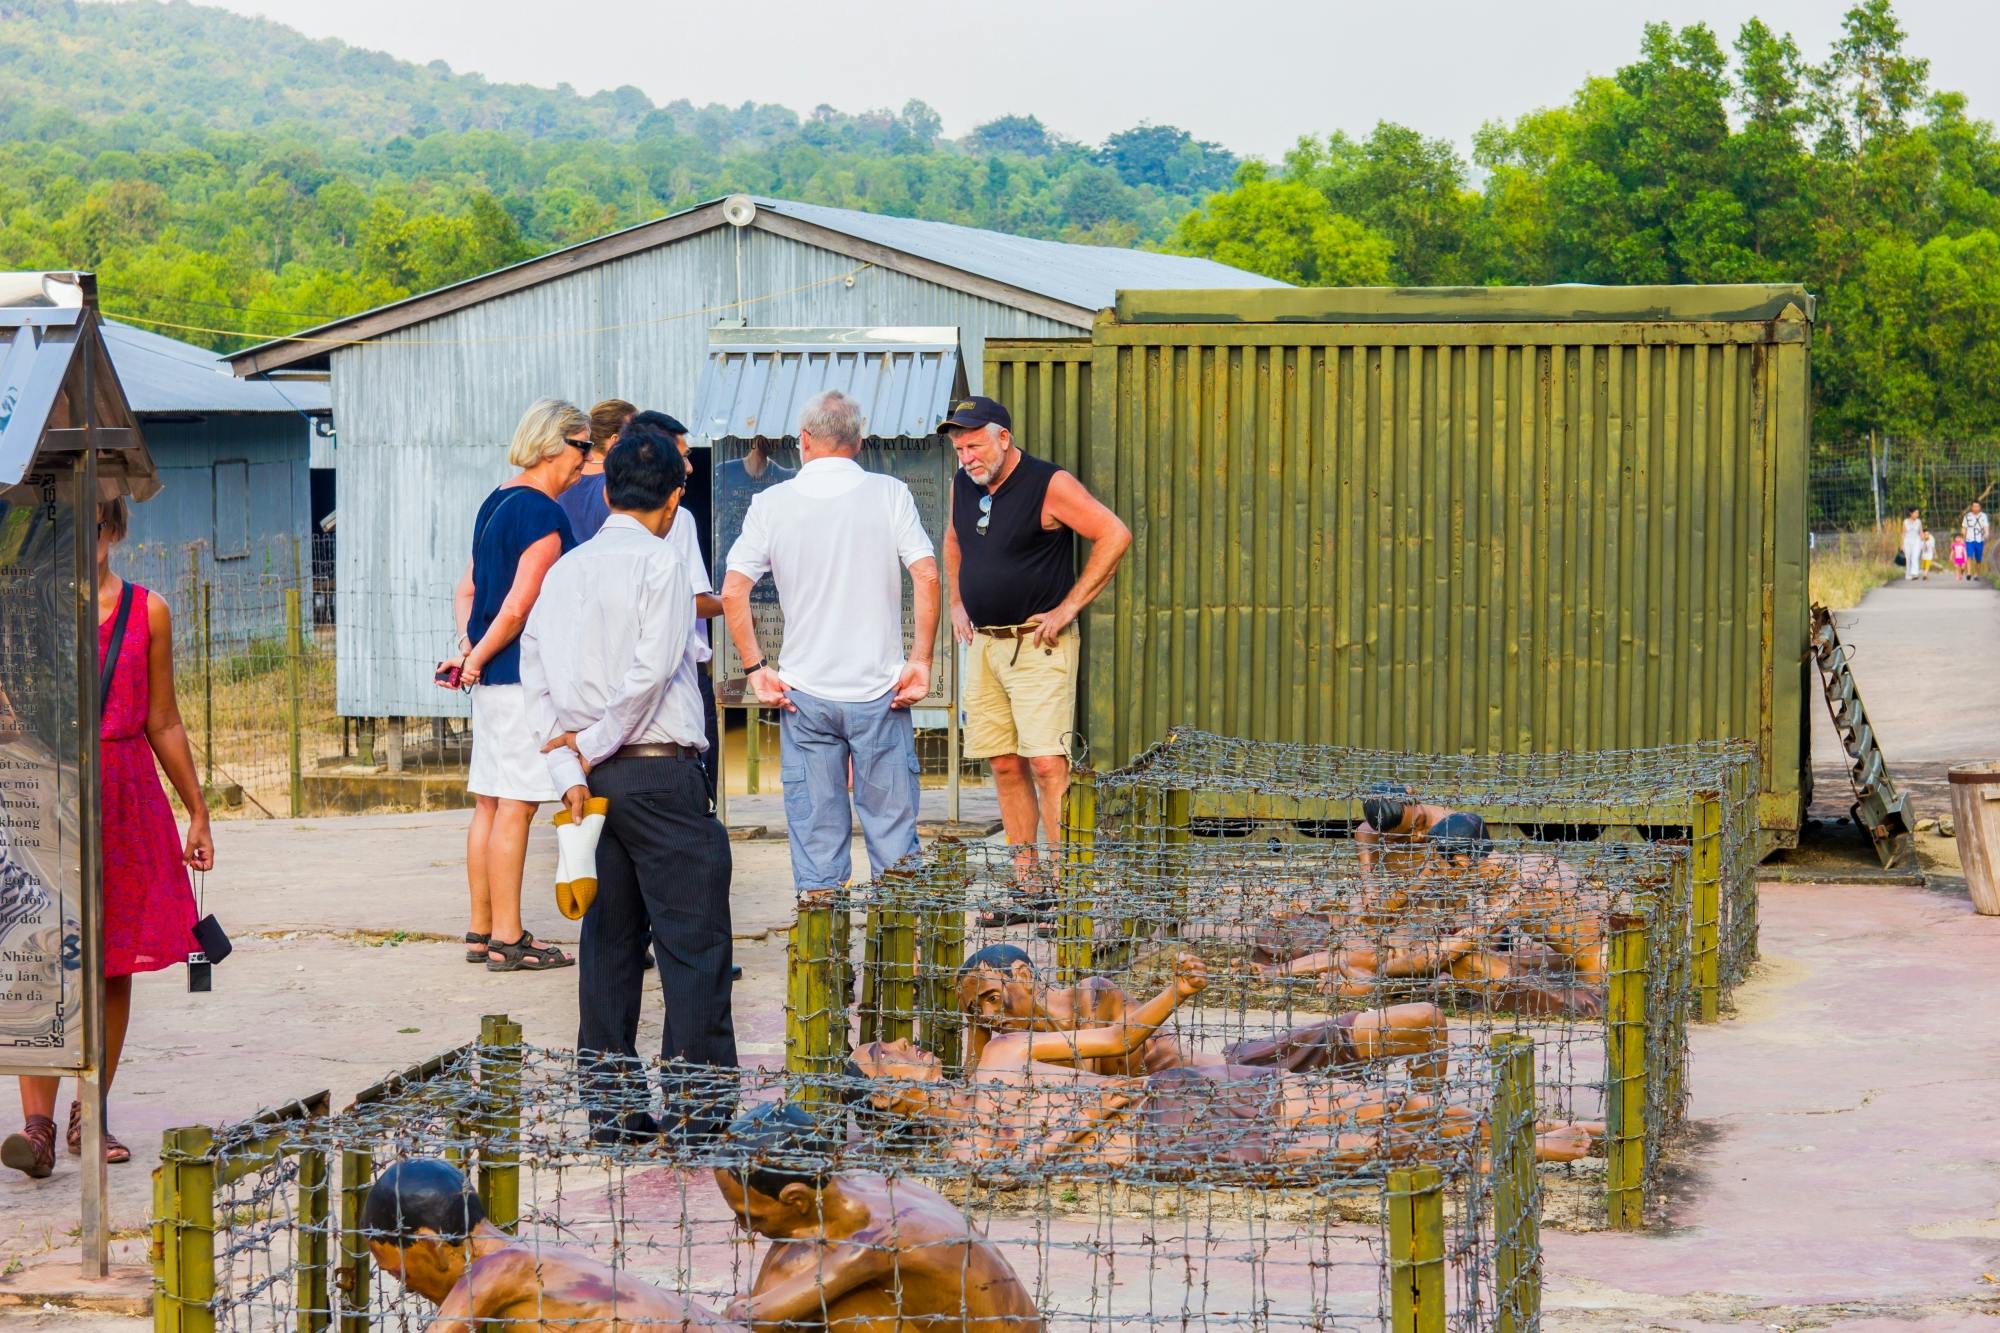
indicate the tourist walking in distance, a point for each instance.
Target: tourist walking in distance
{"x":608,"y":662}
{"x":1929,"y":553}
{"x":584,"y":501}
{"x":149,"y":911}
{"x":1976,"y":526}
{"x":519,"y":532}
{"x":1913,"y":546}
{"x":835,"y":539}
{"x":1010,"y":561}
{"x":1958,"y":556}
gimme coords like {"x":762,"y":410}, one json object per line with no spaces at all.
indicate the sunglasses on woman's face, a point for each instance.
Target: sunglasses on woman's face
{"x":581,"y":446}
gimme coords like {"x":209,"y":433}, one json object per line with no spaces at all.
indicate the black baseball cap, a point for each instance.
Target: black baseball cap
{"x":972,"y":413}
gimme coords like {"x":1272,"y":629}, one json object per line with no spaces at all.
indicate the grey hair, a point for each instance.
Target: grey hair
{"x":834,"y":417}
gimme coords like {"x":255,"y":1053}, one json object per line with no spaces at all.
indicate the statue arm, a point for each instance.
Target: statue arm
{"x":1125,"y":1037}
{"x":805,"y":1294}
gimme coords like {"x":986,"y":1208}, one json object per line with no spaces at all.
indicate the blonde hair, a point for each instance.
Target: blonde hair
{"x":114,"y":516}
{"x":544,"y":431}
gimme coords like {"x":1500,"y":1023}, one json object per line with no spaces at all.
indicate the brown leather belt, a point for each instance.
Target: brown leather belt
{"x":1008,"y":631}
{"x":657,"y":750}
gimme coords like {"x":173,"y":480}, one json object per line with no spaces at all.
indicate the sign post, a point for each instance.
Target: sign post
{"x":66,"y":438}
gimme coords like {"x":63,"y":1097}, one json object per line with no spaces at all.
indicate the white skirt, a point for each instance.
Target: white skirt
{"x":507,"y":760}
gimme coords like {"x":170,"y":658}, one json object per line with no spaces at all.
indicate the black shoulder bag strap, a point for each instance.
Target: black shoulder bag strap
{"x":110,"y":666}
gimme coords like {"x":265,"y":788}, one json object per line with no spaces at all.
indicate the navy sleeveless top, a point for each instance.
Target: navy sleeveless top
{"x":512,"y":519}
{"x":1016,"y":569}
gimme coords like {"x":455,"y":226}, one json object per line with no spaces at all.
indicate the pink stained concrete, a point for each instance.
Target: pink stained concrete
{"x":1845,"y":1127}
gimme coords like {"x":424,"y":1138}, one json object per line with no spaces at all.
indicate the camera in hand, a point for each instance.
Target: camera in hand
{"x":448,"y":674}
{"x":201,"y":975}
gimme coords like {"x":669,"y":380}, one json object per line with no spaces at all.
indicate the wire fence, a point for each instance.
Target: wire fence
{"x":1871,"y":482}
{"x":1389,"y":1200}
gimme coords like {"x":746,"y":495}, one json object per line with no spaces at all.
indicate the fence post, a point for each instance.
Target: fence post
{"x":1680,"y":896}
{"x":1079,"y":853}
{"x":357,"y":1173}
{"x":1705,"y":844}
{"x":1517,"y":1212}
{"x":1416,"y":1250}
{"x":1625,"y":1075}
{"x":186,"y":1262}
{"x":315,"y":1300}
{"x":943,"y":947}
{"x":896,"y":991}
{"x":207,"y":687}
{"x":295,"y":663}
{"x":752,"y":751}
{"x":499,"y":1143}
{"x":813,"y":994}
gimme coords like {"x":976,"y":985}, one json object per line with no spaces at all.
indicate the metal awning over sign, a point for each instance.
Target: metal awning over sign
{"x":756,"y":381}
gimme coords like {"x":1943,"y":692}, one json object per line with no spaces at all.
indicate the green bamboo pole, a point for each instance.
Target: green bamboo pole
{"x":752,"y":750}
{"x":357,"y":1173}
{"x":500,"y":1143}
{"x":1074,"y":922}
{"x":295,"y":650}
{"x":873,"y":925}
{"x":207,"y":688}
{"x":898,"y":959}
{"x":1680,"y":919}
{"x":315,"y":1300}
{"x":189,"y":1283}
{"x":1517,"y":1210}
{"x":1625,"y":1076}
{"x":1707,"y":879}
{"x":1416,"y":1250}
{"x":814,"y":996}
{"x":943,"y":946}
{"x":167,"y":1240}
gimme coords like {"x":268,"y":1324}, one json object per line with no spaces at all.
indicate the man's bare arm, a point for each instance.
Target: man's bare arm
{"x":804,"y":1295}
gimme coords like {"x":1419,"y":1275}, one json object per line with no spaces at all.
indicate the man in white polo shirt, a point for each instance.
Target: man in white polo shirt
{"x":835,"y":539}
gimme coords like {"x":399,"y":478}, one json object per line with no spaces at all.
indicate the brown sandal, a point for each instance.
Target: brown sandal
{"x":114,"y":1151}
{"x":476,"y":954}
{"x":527,"y":954}
{"x":32,"y":1152}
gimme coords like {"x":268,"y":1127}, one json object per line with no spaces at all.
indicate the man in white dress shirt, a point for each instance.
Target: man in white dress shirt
{"x":835,"y":539}
{"x":609,"y":662}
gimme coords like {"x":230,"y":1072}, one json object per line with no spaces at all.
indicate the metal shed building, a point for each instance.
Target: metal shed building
{"x":233,"y":459}
{"x":427,"y":390}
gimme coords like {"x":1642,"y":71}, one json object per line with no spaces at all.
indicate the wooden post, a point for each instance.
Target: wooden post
{"x":941,"y":1029}
{"x":1680,"y":915}
{"x":1177,"y":807}
{"x":394,"y":744}
{"x":870,"y":1009}
{"x":295,"y":650}
{"x":1517,"y":1204}
{"x":1416,"y":1250}
{"x":207,"y":689}
{"x":356,"y":1277}
{"x":500,"y":1141}
{"x":897,"y":959}
{"x":1078,"y":883}
{"x":1706,"y":846}
{"x":751,"y":750}
{"x":312,"y":1291}
{"x":812,"y":998}
{"x":1625,"y":1076}
{"x":185,"y":1260}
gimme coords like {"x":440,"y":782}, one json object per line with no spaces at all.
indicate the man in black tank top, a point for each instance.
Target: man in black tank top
{"x":1010,"y":567}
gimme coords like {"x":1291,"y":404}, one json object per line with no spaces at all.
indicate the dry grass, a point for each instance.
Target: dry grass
{"x":1846,"y":565}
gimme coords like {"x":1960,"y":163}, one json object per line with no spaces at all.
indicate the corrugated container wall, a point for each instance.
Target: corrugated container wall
{"x":425,"y":413}
{"x":1502,"y":520}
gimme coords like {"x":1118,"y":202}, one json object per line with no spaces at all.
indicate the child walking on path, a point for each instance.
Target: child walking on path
{"x":1930,"y":552}
{"x":1958,"y":557}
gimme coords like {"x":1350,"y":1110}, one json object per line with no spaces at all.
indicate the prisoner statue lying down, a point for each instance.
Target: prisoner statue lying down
{"x":1031,"y":1101}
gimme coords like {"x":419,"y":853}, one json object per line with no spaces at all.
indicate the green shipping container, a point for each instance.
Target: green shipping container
{"x":1466,"y":520}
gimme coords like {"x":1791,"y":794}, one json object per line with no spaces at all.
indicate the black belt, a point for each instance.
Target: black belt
{"x":657,"y":750}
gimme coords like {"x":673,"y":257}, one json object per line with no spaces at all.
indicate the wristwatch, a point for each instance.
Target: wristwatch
{"x":756,"y":666}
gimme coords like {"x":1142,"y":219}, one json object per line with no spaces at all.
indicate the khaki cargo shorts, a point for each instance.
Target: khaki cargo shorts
{"x":1019,"y":702}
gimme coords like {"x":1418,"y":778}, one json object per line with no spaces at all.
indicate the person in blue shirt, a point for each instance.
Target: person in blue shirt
{"x":518,"y":533}
{"x":584,"y":502}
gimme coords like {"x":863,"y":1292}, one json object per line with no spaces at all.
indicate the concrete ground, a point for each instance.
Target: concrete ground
{"x":1840,"y":1172}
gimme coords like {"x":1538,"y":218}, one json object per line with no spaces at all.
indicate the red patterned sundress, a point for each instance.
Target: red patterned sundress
{"x":148,"y":906}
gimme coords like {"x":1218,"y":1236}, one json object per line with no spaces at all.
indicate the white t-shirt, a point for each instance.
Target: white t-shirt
{"x":686,"y":540}
{"x":1976,"y":526}
{"x":835,"y":539}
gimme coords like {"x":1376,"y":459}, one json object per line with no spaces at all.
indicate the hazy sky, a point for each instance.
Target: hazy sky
{"x":1250,"y":75}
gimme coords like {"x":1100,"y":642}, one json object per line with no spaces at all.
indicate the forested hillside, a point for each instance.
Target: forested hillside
{"x":227,"y":174}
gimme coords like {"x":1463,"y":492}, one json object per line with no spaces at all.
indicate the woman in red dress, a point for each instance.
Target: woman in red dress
{"x":149,"y":911}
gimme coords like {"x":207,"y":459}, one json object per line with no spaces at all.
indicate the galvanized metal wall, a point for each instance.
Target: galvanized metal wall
{"x":1453,"y":537}
{"x":425,"y":415}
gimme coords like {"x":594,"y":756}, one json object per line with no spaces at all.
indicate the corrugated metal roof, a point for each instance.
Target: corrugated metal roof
{"x":54,"y":367}
{"x":1083,"y":275}
{"x":757,"y":380}
{"x":162,"y":374}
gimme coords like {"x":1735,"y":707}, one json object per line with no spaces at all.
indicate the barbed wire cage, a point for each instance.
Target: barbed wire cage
{"x":1584,"y":949}
{"x":1196,"y":787}
{"x":259,"y":1225}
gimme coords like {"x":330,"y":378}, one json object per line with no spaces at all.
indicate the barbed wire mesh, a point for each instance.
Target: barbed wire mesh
{"x":1422,"y":1213}
{"x":1195,"y":786}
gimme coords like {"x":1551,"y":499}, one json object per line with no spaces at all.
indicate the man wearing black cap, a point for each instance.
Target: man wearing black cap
{"x":1010,"y":565}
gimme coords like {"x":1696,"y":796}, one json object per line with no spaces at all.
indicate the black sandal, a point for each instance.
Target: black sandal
{"x":527,"y":955}
{"x":477,"y":955}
